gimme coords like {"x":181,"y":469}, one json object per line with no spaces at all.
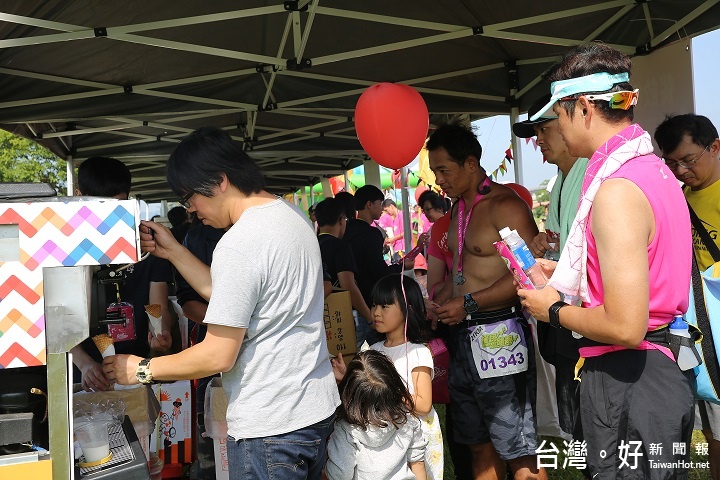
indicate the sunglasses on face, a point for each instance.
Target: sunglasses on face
{"x":687,"y":163}
{"x":618,"y":100}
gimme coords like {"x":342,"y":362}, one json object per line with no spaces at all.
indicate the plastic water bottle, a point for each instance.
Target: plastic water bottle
{"x":522,"y":254}
{"x":687,"y":356}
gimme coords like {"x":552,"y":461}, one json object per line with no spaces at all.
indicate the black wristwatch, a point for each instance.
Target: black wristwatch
{"x":554,"y":313}
{"x":470,"y":305}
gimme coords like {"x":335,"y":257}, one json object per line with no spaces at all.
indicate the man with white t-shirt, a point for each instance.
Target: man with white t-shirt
{"x":264,"y":317}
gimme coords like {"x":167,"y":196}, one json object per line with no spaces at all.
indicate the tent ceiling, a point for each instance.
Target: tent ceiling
{"x":129,"y":79}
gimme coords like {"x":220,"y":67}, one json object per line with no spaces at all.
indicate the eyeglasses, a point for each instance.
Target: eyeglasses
{"x":618,"y":100}
{"x":686,"y":164}
{"x":185,"y":199}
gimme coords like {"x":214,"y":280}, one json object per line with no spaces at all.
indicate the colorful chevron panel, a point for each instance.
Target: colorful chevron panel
{"x":51,"y":234}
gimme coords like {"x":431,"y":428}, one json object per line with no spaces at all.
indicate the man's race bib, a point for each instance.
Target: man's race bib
{"x":499,"y":348}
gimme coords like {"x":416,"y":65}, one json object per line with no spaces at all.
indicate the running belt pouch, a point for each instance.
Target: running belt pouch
{"x":704,"y":312}
{"x":556,"y":342}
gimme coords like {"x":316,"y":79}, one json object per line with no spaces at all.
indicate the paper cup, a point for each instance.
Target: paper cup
{"x":155,"y":325}
{"x":94,"y":442}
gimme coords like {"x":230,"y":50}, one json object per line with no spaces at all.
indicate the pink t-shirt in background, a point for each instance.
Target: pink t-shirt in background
{"x":396,"y":224}
{"x":669,"y":253}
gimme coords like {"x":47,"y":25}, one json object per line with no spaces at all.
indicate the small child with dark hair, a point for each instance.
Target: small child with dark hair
{"x":399,"y":314}
{"x":376,"y":434}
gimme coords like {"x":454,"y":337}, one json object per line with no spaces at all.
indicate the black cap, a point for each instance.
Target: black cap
{"x":525,"y":129}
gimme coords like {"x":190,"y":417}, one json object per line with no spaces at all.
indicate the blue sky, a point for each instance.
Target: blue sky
{"x":490,"y":131}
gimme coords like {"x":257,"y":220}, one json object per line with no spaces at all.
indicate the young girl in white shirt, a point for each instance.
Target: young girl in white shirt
{"x":406,"y":329}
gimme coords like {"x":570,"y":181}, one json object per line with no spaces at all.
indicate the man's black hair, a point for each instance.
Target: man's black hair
{"x":365,"y":194}
{"x":435,"y":201}
{"x":460,"y":142}
{"x":199,"y":162}
{"x":348,"y":201}
{"x":670,"y":132}
{"x":389,"y":201}
{"x":103,"y":177}
{"x":588,"y":59}
{"x":329,"y":212}
{"x":177,"y":216}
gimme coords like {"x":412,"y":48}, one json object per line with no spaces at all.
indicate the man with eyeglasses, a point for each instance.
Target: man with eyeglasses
{"x":628,"y":259}
{"x":690,"y":148}
{"x":264,"y":316}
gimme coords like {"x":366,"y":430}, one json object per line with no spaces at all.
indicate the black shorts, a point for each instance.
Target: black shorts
{"x":636,"y":396}
{"x":500,"y":409}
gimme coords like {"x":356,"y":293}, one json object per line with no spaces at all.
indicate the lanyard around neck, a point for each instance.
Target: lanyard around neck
{"x":463,"y":223}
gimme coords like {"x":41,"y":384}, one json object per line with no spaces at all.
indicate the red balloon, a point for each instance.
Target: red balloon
{"x":391,"y":121}
{"x":419,"y":191}
{"x":522,"y":192}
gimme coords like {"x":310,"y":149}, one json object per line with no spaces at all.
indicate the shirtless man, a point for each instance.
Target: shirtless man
{"x":491,"y":389}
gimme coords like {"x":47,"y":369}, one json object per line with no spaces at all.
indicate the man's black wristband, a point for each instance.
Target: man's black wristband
{"x":554,"y":313}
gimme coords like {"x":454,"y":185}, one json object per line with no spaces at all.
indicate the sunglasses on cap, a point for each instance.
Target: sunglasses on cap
{"x":622,"y":100}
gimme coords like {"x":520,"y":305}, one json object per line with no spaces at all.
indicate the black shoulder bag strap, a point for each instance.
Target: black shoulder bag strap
{"x":704,"y":235}
{"x":703,"y":321}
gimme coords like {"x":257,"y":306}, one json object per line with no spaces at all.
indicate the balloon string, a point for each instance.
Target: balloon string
{"x":407,"y":317}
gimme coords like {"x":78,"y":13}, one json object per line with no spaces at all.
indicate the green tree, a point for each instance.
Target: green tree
{"x":22,"y":160}
{"x":541,"y":196}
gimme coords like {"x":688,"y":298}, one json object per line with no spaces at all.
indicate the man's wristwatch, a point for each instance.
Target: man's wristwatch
{"x":143,"y":373}
{"x":470,"y":305}
{"x":554,"y":313}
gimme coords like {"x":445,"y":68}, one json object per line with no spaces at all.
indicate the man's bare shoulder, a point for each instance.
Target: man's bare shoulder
{"x":621,"y":203}
{"x":504,"y":201}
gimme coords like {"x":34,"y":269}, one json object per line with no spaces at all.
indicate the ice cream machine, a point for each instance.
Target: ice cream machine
{"x":48,"y":247}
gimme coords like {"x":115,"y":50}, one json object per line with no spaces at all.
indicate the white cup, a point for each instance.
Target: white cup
{"x":93,"y":439}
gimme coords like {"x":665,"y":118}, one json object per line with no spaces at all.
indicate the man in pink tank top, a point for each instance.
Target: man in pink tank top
{"x":627,"y":257}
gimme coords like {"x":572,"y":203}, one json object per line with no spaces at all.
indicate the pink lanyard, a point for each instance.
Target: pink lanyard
{"x":463,"y":226}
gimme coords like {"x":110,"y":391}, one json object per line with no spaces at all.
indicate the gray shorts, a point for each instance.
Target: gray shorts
{"x":500,"y":409}
{"x":707,"y":417}
{"x":636,"y":396}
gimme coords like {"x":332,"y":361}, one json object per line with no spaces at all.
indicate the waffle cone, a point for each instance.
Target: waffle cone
{"x":154,"y":310}
{"x":105,"y":344}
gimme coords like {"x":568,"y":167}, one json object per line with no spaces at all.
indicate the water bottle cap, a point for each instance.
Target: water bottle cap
{"x":678,"y":324}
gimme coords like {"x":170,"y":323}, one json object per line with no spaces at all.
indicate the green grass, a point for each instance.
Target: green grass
{"x":571,"y":473}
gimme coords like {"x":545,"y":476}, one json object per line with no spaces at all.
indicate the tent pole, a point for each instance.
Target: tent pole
{"x":69,"y":167}
{"x":372,"y":173}
{"x":326,"y":188}
{"x":404,"y":194}
{"x":516,"y":147}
